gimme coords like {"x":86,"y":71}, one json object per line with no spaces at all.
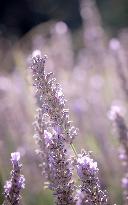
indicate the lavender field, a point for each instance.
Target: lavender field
{"x":64,"y":115}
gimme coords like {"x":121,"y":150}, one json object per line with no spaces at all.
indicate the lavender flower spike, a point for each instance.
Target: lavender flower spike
{"x":117,"y":117}
{"x":12,"y":187}
{"x":51,"y":99}
{"x":53,"y":133}
{"x":90,"y":193}
{"x":60,"y":175}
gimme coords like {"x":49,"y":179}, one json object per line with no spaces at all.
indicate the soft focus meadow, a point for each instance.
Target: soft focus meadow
{"x":92,"y":69}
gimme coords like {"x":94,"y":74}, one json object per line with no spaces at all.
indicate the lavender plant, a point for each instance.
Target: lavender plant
{"x":122,"y":129}
{"x":52,"y":99}
{"x":54,"y":134}
{"x":53,"y":118}
{"x":13,"y":187}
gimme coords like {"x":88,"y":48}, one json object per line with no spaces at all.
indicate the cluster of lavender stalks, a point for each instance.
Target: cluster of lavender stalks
{"x":54,"y":134}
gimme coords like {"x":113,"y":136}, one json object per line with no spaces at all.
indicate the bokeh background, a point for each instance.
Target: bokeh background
{"x":87,"y":46}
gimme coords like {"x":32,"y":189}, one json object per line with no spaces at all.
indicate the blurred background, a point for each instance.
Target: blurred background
{"x":87,"y":46}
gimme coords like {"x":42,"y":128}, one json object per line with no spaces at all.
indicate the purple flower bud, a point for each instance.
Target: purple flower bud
{"x":86,"y":163}
{"x":7,"y":187}
{"x":47,"y":136}
{"x":22,"y":182}
{"x":15,"y":157}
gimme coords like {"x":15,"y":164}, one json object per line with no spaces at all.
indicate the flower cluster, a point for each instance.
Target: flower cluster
{"x":59,"y":166}
{"x":91,"y":192}
{"x":54,"y":134}
{"x":51,"y":98}
{"x":13,"y":187}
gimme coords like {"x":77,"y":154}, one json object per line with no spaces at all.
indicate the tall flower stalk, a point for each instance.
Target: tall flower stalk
{"x":13,"y":187}
{"x":51,"y":99}
{"x":122,"y":129}
{"x":123,"y":137}
{"x":54,"y":134}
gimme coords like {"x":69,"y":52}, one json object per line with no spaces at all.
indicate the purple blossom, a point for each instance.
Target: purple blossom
{"x":90,"y":193}
{"x":7,"y":187}
{"x":55,"y":164}
{"x":15,"y":157}
{"x":85,"y":162}
{"x":12,"y":187}
{"x":54,"y":134}
{"x":51,"y":99}
{"x":60,"y":173}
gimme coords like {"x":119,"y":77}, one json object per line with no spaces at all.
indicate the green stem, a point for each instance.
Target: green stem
{"x":74,"y":150}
